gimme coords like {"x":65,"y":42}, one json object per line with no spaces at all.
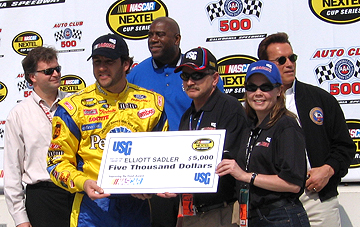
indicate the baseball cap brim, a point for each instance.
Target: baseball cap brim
{"x":103,"y":52}
{"x":189,"y":65}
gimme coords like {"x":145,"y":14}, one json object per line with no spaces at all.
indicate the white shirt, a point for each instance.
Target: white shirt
{"x":27,"y":138}
{"x":291,"y":105}
{"x":290,"y":100}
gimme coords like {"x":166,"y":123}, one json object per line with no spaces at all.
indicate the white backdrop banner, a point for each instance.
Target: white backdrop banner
{"x":323,"y":34}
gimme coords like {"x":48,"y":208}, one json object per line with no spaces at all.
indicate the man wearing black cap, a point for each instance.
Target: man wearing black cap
{"x":80,"y":126}
{"x":211,"y":109}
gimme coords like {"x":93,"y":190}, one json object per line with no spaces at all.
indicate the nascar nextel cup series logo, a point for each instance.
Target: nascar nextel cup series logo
{"x":132,"y":18}
{"x":234,"y":16}
{"x":354,"y":130}
{"x":24,"y":42}
{"x":72,"y":83}
{"x":68,"y":36}
{"x":336,"y":11}
{"x":341,"y":73}
{"x":203,"y":144}
{"x":232,"y":70}
{"x":3,"y":91}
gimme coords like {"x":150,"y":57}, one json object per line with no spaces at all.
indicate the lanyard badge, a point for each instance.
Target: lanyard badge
{"x":244,"y":206}
{"x":187,"y":205}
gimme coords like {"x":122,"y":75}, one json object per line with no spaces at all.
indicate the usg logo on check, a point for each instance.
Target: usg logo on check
{"x":123,"y":147}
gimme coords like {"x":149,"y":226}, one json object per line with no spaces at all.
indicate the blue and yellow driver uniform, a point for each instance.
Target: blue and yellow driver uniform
{"x":80,"y":125}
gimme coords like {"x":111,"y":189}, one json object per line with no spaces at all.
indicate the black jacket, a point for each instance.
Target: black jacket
{"x":326,"y":133}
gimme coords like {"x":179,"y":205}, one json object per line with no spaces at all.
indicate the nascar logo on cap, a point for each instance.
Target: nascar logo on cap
{"x":268,"y":68}
{"x":104,"y":45}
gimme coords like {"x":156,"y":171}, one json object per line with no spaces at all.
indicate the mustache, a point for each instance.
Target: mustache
{"x":192,"y":87}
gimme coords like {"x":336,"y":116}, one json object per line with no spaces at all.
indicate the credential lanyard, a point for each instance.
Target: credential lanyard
{"x":187,"y":207}
{"x":198,"y":122}
{"x":244,"y":196}
{"x":46,"y":110}
{"x":254,"y":135}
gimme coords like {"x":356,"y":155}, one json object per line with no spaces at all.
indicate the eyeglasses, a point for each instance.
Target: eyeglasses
{"x":281,"y":60}
{"x":50,"y":71}
{"x":194,"y":76}
{"x":264,"y":87}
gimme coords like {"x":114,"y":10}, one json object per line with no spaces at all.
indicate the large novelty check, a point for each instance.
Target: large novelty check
{"x":157,"y":162}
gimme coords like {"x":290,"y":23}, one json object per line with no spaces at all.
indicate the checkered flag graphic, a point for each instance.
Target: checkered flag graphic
{"x":22,"y":85}
{"x":325,"y":72}
{"x":252,"y":7}
{"x":77,"y":34}
{"x":59,"y":35}
{"x":1,"y":133}
{"x":215,"y":10}
{"x":357,"y":69}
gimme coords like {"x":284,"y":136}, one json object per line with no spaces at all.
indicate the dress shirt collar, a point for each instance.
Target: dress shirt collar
{"x":291,"y":90}
{"x":38,"y":99}
{"x":158,"y":65}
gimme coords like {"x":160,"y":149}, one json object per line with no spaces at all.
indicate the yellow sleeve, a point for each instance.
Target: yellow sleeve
{"x":62,"y":159}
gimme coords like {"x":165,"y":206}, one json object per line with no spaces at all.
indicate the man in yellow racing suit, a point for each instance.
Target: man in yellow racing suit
{"x":80,"y":126}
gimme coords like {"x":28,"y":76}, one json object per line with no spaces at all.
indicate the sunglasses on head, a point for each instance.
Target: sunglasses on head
{"x":281,"y":60}
{"x":50,"y":71}
{"x":264,"y":87}
{"x":194,"y":76}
